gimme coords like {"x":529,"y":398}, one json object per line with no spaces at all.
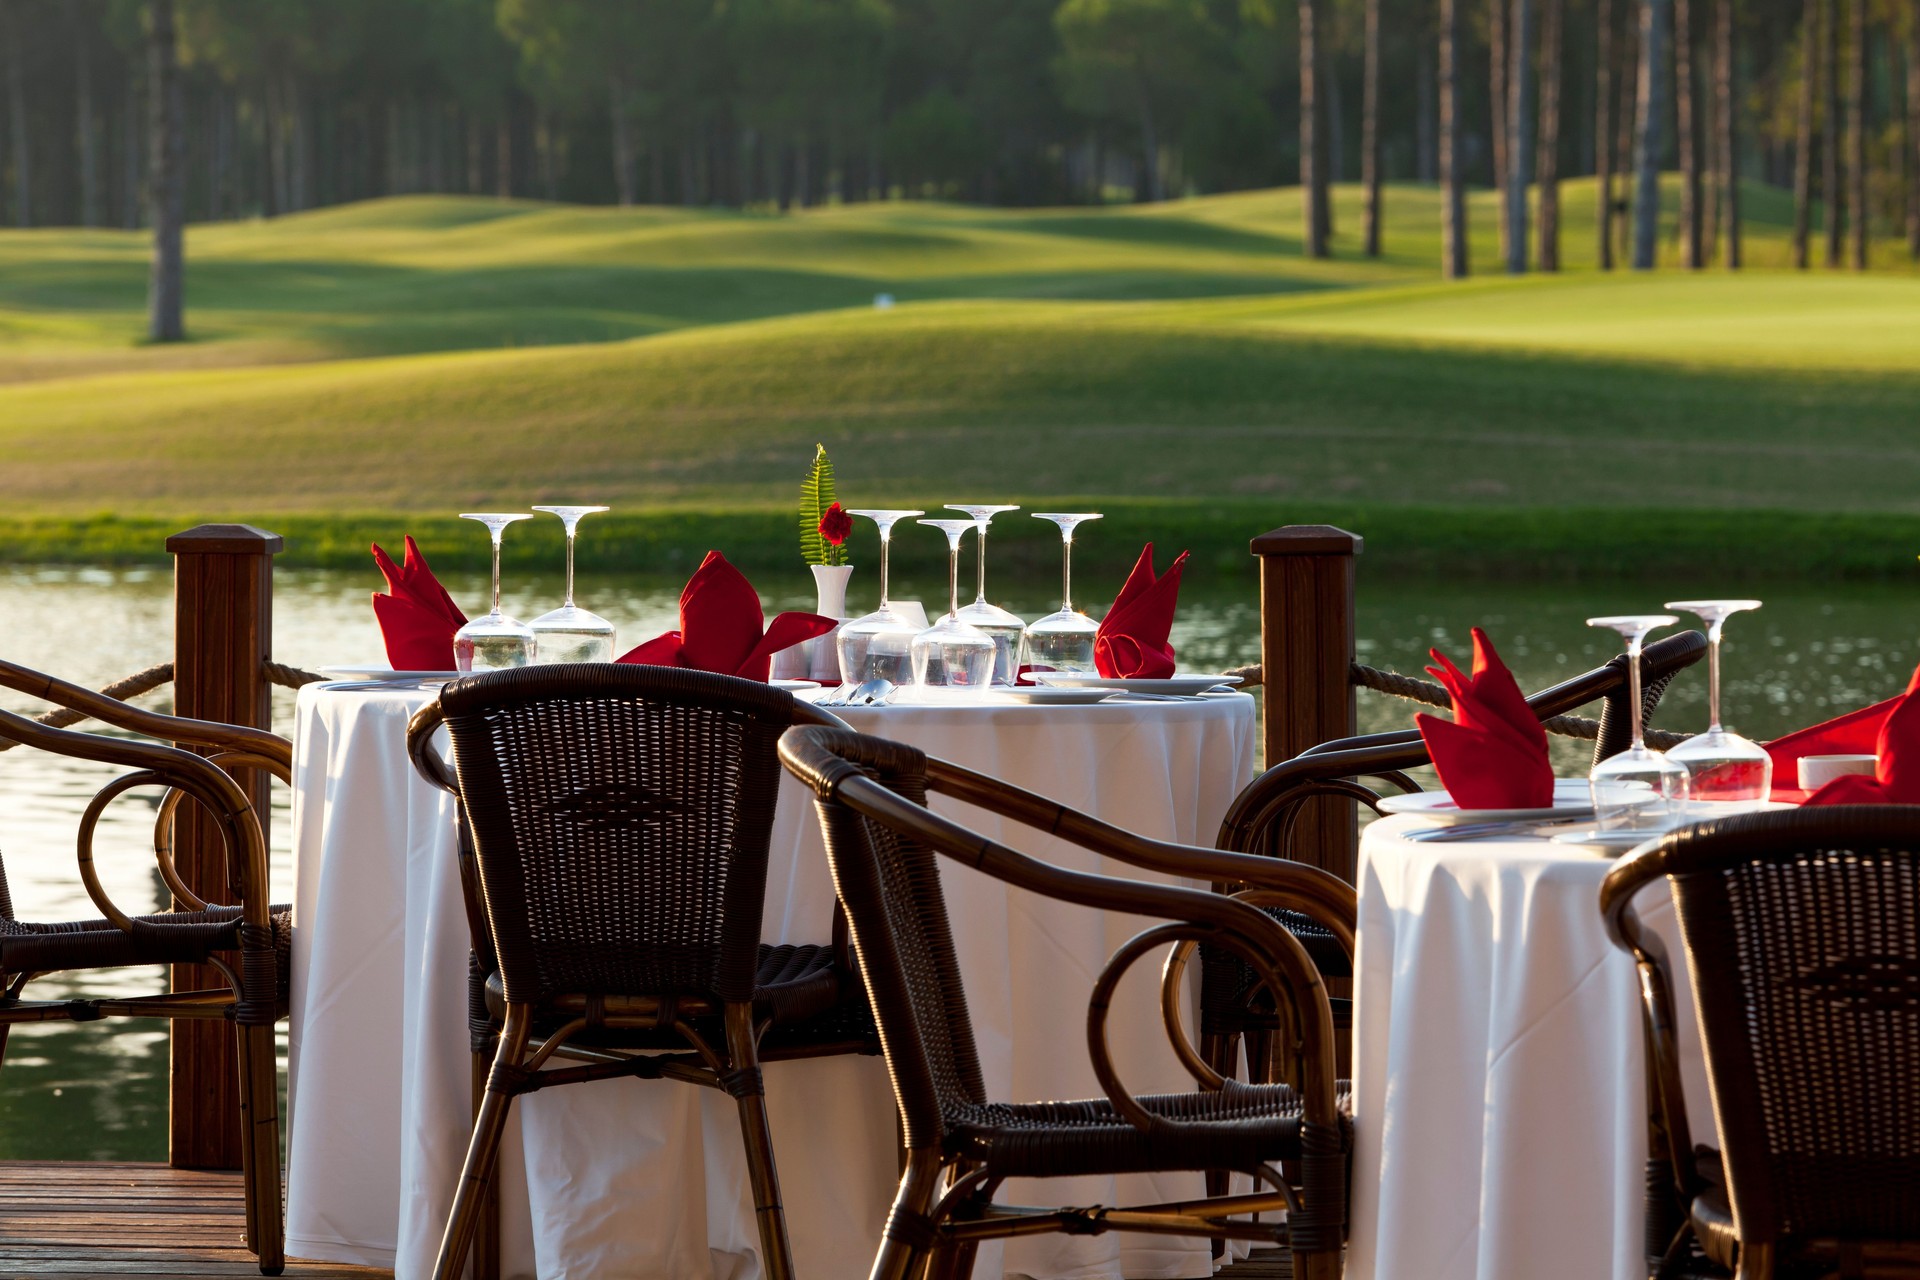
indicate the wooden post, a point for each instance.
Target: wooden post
{"x":1306,"y":649}
{"x":222,"y":637}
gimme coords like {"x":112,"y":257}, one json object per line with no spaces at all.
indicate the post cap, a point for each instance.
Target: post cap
{"x":226,"y":539}
{"x":1308,"y":540}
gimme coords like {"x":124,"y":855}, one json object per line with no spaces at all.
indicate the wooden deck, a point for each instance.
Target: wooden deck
{"x":115,"y":1220}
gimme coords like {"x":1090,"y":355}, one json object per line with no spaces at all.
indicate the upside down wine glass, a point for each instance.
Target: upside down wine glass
{"x":879,"y":645}
{"x":1005,"y":629}
{"x":570,"y":633}
{"x":1722,"y":767}
{"x":1063,"y":640}
{"x":953,"y":654}
{"x":495,"y":641}
{"x":1638,"y":789}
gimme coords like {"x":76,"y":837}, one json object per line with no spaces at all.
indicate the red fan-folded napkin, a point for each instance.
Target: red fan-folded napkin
{"x":1493,"y":753}
{"x":417,"y":617}
{"x":723,"y":629}
{"x":1889,"y":730}
{"x":1132,"y":640}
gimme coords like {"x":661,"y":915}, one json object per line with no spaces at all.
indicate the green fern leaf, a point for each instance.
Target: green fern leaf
{"x":816,"y":495}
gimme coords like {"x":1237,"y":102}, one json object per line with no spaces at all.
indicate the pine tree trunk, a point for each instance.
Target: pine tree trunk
{"x":10,"y":33}
{"x":1810,"y":59}
{"x":1149,"y":151}
{"x":1370,"y":127}
{"x":1313,"y":173}
{"x":1626,"y":130}
{"x":1497,"y":108}
{"x":623,"y":169}
{"x":1912,"y":149}
{"x":1549,"y":148}
{"x":1729,"y":125}
{"x":1603,"y":81}
{"x":87,"y":132}
{"x":476,"y":157}
{"x":1426,"y":142}
{"x":1336,"y":114}
{"x":1858,"y":220}
{"x":130,"y":194}
{"x":1830,"y":195}
{"x":503,"y":155}
{"x":1453,"y":208}
{"x":1684,"y":132}
{"x":1651,"y":110}
{"x":300,"y":147}
{"x":1519,"y":119}
{"x":166,"y":190}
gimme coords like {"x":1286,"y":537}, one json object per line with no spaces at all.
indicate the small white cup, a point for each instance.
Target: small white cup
{"x":1818,"y":771}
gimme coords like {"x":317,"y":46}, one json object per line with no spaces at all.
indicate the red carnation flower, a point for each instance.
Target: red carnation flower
{"x":835,"y":524}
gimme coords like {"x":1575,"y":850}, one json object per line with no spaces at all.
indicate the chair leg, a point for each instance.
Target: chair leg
{"x":488,"y":1127}
{"x":486,"y":1236}
{"x":743,"y":1051}
{"x":1321,"y":1264}
{"x":1756,"y":1262}
{"x":898,"y":1258}
{"x":260,"y":1147}
{"x":1219,"y":1050}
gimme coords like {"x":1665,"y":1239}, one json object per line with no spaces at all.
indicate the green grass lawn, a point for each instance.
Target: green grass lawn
{"x":1181,"y":362}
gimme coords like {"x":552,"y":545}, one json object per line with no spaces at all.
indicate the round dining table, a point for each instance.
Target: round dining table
{"x":1500,"y":1117}
{"x":629,"y":1178}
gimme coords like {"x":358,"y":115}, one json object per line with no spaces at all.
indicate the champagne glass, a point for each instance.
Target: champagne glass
{"x":1722,"y":767}
{"x":1003,"y":628}
{"x":951,"y":653}
{"x":1063,"y":640}
{"x":879,"y":645}
{"x":495,"y":641}
{"x":1638,"y":789}
{"x":570,"y":633}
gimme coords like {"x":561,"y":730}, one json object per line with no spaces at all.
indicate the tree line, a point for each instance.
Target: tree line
{"x":148,"y":112}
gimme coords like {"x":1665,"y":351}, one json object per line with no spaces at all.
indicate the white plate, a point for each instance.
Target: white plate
{"x":795,"y":686}
{"x":372,"y":672}
{"x":1571,"y":799}
{"x":1615,"y":842}
{"x":1173,"y":686}
{"x":1046,"y":697}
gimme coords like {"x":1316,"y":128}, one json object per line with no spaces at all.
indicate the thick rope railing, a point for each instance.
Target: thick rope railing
{"x":154,"y":677}
{"x":1432,"y":694}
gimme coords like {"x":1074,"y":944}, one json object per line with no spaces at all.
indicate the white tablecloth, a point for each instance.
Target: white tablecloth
{"x":1500,"y":1109}
{"x":647,"y":1178}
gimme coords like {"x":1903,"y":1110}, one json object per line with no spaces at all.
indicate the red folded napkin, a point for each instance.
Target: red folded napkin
{"x":1889,"y":730}
{"x":1132,"y":640}
{"x":723,"y":629}
{"x":417,"y":617}
{"x":1493,"y":753}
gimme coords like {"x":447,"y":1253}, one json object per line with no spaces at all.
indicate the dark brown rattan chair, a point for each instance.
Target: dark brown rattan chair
{"x":1263,"y":819}
{"x":615,"y":830}
{"x":881,"y":841}
{"x":246,"y":943}
{"x":1802,"y":933}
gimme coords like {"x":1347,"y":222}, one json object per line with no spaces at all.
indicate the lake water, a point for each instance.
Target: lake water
{"x":99,"y":1091}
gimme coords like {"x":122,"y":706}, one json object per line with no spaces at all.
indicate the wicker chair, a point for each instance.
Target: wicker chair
{"x":247,"y":943}
{"x":881,"y":842}
{"x":1802,"y":932}
{"x":1263,"y":818}
{"x":615,"y":824}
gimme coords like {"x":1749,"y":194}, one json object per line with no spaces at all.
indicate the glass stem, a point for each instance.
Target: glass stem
{"x":1066,"y":574}
{"x":1633,"y":692}
{"x":496,"y":573}
{"x":885,"y":541}
{"x":1713,"y":678}
{"x":569,"y":601}
{"x":980,"y":551}
{"x":953,"y":580}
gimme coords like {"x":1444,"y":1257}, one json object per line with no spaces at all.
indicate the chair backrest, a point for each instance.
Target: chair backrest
{"x":889,"y":883}
{"x":1262,"y":816}
{"x":620,"y":817}
{"x":1802,"y":934}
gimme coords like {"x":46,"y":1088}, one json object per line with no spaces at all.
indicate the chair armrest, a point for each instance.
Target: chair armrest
{"x":153,"y":724}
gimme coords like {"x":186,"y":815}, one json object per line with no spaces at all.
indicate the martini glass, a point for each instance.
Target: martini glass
{"x":1003,"y":628}
{"x":1723,"y":767}
{"x":879,"y":645}
{"x":1637,"y":789}
{"x":951,"y":653}
{"x":495,"y":641}
{"x":570,"y":633}
{"x":1063,"y":640}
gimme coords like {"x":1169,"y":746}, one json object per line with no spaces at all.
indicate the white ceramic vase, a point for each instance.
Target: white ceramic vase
{"x":830,"y":588}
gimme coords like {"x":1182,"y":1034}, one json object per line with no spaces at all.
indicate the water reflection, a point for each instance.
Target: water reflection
{"x":98,"y":1091}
